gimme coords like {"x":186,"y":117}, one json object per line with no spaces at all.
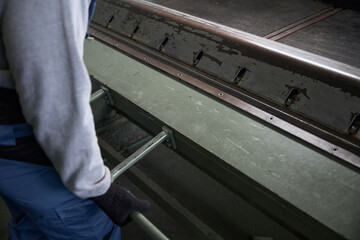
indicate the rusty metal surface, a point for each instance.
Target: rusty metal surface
{"x":327,"y":96}
{"x":323,"y":144}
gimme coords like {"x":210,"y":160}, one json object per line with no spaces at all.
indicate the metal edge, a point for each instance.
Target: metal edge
{"x":272,"y":52}
{"x":334,"y":149}
{"x":283,"y":212}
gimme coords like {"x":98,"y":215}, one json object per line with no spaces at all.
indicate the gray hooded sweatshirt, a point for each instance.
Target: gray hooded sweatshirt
{"x":41,"y":56}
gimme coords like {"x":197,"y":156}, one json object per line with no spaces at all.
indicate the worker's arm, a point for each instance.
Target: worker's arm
{"x":44,"y":47}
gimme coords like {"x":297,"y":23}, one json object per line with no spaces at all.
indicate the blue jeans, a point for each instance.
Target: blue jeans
{"x":41,"y":206}
{"x":91,"y":13}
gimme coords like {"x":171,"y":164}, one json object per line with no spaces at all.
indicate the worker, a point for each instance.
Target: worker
{"x":52,"y":176}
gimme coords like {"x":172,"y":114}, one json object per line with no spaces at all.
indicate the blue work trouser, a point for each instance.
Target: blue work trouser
{"x":91,"y":13}
{"x":43,"y":208}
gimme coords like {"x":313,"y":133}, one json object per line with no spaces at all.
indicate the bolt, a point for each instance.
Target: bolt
{"x":353,"y":129}
{"x":289,"y":101}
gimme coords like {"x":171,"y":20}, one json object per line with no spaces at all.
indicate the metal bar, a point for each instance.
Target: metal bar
{"x":96,"y":95}
{"x":152,"y":231}
{"x":136,"y":156}
{"x":167,"y":202}
{"x":141,"y":141}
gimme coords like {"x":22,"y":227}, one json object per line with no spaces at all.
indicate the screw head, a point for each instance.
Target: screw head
{"x":353,"y":129}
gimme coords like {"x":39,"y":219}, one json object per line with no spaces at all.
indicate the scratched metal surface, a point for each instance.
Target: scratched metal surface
{"x":322,"y":98}
{"x":258,"y":17}
{"x":337,"y":37}
{"x":307,"y":178}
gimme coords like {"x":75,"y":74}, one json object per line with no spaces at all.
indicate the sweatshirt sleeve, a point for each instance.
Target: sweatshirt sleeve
{"x":44,"y":47}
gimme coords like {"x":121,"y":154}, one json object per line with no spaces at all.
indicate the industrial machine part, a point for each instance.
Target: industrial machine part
{"x":244,"y":67}
{"x":152,"y":231}
{"x":275,"y":124}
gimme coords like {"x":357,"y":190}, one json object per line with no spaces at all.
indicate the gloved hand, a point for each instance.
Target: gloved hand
{"x":118,"y":203}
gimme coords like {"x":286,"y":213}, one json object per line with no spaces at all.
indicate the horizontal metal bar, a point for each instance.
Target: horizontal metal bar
{"x":174,"y":208}
{"x":96,"y":95}
{"x":136,"y":156}
{"x":152,"y":231}
{"x":141,"y":141}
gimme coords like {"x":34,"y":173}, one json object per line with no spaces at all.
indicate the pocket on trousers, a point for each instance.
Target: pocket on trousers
{"x":83,"y":219}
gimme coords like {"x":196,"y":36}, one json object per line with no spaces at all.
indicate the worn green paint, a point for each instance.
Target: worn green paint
{"x":307,"y":178}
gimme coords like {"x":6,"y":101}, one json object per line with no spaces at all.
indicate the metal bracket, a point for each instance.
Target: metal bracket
{"x":291,"y":97}
{"x":170,"y":141}
{"x":108,"y":98}
{"x":239,"y":75}
{"x":197,"y":57}
{"x":163,"y":43}
{"x":110,"y":20}
{"x":136,"y":29}
{"x":354,"y":124}
{"x":102,"y":92}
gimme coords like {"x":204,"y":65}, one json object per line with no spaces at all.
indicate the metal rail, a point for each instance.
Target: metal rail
{"x":102,"y":92}
{"x":96,"y":95}
{"x":168,"y":203}
{"x":152,"y":231}
{"x":139,"y":154}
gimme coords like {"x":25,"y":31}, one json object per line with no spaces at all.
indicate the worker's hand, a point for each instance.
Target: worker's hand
{"x":118,"y":203}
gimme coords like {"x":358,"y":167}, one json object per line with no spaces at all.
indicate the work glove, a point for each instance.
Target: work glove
{"x":118,"y":203}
